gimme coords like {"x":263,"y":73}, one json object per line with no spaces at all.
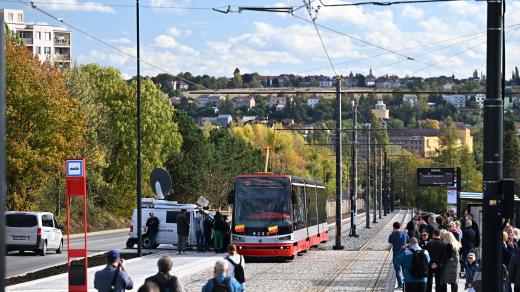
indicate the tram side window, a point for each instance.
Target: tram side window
{"x":299,"y":207}
{"x":312,"y":205}
{"x":322,"y":205}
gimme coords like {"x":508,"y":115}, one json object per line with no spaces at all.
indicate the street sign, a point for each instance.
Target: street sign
{"x":435,"y":176}
{"x":203,"y":201}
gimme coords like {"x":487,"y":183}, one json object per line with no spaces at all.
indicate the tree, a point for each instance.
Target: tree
{"x":511,"y":151}
{"x":160,"y":138}
{"x":44,"y":126}
{"x":431,"y":124}
{"x":190,"y":166}
{"x":237,"y":78}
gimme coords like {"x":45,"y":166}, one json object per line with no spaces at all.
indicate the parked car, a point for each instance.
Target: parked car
{"x":35,"y":231}
{"x":166,"y":212}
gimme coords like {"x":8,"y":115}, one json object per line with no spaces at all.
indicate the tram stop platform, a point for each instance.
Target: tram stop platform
{"x":138,"y":269}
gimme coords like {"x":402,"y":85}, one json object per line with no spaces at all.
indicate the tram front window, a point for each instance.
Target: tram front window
{"x":262,"y":207}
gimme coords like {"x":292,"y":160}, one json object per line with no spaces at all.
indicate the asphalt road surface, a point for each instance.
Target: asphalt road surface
{"x":20,"y":264}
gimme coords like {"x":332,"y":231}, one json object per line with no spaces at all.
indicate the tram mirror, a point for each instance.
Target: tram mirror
{"x":231,"y":197}
{"x":294,"y":199}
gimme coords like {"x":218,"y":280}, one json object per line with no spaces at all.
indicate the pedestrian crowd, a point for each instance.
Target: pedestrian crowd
{"x":228,"y":275}
{"x":444,"y":248}
{"x":210,"y":233}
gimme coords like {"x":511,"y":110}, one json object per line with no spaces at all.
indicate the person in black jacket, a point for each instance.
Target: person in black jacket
{"x":152,"y":228}
{"x":412,"y":231}
{"x":468,"y":240}
{"x":437,"y":250}
{"x":474,"y":226}
{"x":514,"y":271}
{"x":163,"y":279}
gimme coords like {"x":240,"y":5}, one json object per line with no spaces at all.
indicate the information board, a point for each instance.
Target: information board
{"x":435,"y":176}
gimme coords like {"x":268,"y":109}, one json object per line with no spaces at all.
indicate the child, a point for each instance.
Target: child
{"x":471,"y":269}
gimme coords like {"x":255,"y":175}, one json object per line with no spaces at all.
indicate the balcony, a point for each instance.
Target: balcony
{"x":61,"y":41}
{"x":62,"y":57}
{"x":27,"y":41}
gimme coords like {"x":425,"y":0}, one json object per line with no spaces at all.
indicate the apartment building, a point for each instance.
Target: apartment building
{"x":47,"y":42}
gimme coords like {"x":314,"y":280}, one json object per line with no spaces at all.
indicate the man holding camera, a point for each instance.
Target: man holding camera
{"x":113,"y":278}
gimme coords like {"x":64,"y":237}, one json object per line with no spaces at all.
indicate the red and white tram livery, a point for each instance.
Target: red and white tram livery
{"x":277,"y":215}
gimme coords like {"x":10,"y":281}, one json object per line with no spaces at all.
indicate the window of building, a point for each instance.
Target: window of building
{"x":20,"y":17}
{"x":38,"y":50}
{"x":47,"y":36}
{"x":47,"y":50}
{"x":39,"y":35}
{"x":10,"y":17}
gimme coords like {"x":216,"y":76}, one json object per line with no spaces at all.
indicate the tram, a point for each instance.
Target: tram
{"x":277,"y":215}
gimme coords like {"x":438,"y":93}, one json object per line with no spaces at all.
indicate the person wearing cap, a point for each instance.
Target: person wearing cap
{"x":471,"y":269}
{"x":114,"y":276}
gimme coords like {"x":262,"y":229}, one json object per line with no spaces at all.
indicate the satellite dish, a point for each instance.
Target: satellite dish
{"x":161,"y":182}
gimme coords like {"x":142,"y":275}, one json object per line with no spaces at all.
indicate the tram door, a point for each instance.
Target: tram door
{"x":300,"y":212}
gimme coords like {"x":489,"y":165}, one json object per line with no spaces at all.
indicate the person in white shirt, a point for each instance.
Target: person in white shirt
{"x":235,"y":259}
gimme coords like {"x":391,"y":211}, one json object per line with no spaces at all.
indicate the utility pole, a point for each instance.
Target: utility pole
{"x":139,"y":167}
{"x":354,"y":175}
{"x":392,"y":186}
{"x":3,"y":186}
{"x":380,"y":180}
{"x":493,"y":149}
{"x":404,"y":187}
{"x":375,"y":178}
{"x":339,"y":187}
{"x":367,"y":195}
{"x":385,"y":184}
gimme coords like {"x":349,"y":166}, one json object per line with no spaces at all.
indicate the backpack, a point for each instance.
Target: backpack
{"x":419,"y":267}
{"x":220,"y":286}
{"x":239,"y":270}
{"x":166,"y":284}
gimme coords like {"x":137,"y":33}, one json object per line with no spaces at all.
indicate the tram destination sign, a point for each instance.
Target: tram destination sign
{"x":427,"y":177}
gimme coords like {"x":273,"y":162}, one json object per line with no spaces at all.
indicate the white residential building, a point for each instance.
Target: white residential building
{"x":480,"y":99}
{"x":279,"y":102}
{"x":244,"y":101}
{"x":47,"y":42}
{"x":313,"y":100}
{"x":214,"y":100}
{"x":325,"y":82}
{"x":380,"y":110}
{"x":180,"y":85}
{"x":410,"y":98}
{"x":459,"y":101}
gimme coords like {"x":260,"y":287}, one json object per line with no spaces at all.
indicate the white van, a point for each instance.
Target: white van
{"x":36,"y":231}
{"x":166,"y":212}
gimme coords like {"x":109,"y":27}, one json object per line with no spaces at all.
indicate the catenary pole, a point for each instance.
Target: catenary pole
{"x":339,"y":187}
{"x":493,"y":149}
{"x":367,"y":196}
{"x":392,"y":186}
{"x":3,"y":186}
{"x":374,"y":220}
{"x":354,"y":175}
{"x":385,"y":184}
{"x":139,"y":166}
{"x":380,"y":181}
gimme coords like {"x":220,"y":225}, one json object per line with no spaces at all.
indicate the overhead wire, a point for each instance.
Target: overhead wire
{"x":96,"y":4}
{"x":389,"y":3}
{"x":309,"y":10}
{"x":33,"y":6}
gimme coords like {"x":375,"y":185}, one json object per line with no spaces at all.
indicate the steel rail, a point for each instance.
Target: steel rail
{"x":348,"y":263}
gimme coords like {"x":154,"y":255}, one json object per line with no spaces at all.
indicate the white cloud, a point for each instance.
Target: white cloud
{"x":121,"y":41}
{"x":164,"y":41}
{"x":187,"y":50}
{"x":176,"y":32}
{"x":73,"y":5}
{"x":412,"y":12}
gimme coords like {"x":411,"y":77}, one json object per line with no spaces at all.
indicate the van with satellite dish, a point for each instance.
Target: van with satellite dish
{"x":166,"y":212}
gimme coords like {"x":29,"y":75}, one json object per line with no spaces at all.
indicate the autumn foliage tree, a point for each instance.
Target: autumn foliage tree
{"x":44,"y":126}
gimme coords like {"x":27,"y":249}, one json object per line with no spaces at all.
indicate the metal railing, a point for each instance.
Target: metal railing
{"x":27,"y":41}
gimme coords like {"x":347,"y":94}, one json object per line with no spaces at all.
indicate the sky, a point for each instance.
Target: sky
{"x":442,"y":38}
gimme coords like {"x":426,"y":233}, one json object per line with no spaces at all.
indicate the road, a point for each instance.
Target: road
{"x":18,"y":264}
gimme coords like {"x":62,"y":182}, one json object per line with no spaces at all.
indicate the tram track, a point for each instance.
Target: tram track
{"x":349,"y":260}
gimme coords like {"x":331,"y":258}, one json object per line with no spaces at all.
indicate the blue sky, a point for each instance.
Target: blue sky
{"x":443,"y":38}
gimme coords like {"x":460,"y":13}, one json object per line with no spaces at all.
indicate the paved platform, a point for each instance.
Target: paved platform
{"x":138,"y":269}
